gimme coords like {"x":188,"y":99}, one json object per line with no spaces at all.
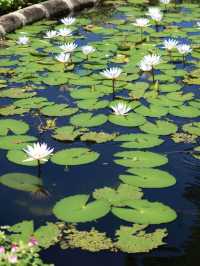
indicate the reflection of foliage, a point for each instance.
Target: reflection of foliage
{"x":134,"y":239}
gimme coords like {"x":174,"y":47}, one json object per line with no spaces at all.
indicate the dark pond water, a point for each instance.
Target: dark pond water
{"x":182,"y":242}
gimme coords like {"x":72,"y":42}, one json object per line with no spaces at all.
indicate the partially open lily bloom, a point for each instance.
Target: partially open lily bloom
{"x":39,"y":152}
{"x":23,"y":40}
{"x":165,"y":2}
{"x":120,"y":108}
{"x":184,"y":49}
{"x":65,"y":32}
{"x":63,"y":57}
{"x":151,"y":60}
{"x":68,"y":47}
{"x":155,"y":14}
{"x":112,"y":73}
{"x":32,"y":242}
{"x":144,"y":66}
{"x":50,"y":34}
{"x":68,"y":21}
{"x":141,"y":22}
{"x":170,"y":44}
{"x":88,"y":49}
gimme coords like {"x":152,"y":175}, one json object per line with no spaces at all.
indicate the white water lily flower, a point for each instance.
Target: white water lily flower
{"x":184,"y":49}
{"x":39,"y":152}
{"x":151,"y":60}
{"x":23,"y":40}
{"x":141,"y":22}
{"x":144,"y":66}
{"x":120,"y":108}
{"x":68,"y":47}
{"x":88,"y":49}
{"x":63,"y":57}
{"x":68,"y":20}
{"x":165,"y":2}
{"x":155,"y":13}
{"x":112,"y":73}
{"x":51,"y":34}
{"x":198,"y":24}
{"x":65,"y":32}
{"x":170,"y":44}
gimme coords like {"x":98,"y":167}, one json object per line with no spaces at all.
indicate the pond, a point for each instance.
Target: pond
{"x":117,"y":102}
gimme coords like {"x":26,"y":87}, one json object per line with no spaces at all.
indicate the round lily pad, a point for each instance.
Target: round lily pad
{"x":58,"y":110}
{"x":148,"y":178}
{"x":21,"y":181}
{"x":160,"y":127}
{"x":74,"y":209}
{"x":129,"y":120}
{"x":140,"y":159}
{"x":74,"y":156}
{"x":152,"y":110}
{"x":88,"y":120}
{"x":185,"y":111}
{"x":119,"y":196}
{"x":17,"y":142}
{"x":192,"y":128}
{"x":139,"y":141}
{"x":18,"y":157}
{"x":13,"y":125}
{"x":145,"y":212}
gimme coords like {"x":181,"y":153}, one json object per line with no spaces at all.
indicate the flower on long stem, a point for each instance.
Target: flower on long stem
{"x":149,"y":62}
{"x":68,"y":21}
{"x":170,"y":45}
{"x":184,"y":50}
{"x":63,"y":58}
{"x":38,"y":152}
{"x":87,"y":50}
{"x":141,"y":23}
{"x":112,"y":73}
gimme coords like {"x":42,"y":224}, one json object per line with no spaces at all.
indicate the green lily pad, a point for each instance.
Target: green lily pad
{"x":74,"y":156}
{"x":21,"y":181}
{"x":15,"y":126}
{"x":16,"y":142}
{"x":67,"y":133}
{"x":88,"y":120}
{"x":135,"y":240}
{"x":145,"y":212}
{"x":192,"y":128}
{"x":160,"y":127}
{"x":148,"y":178}
{"x":129,"y":120}
{"x":98,"y":137}
{"x":32,"y":103}
{"x":74,"y":209}
{"x":92,"y":104}
{"x":140,"y":159}
{"x":58,"y":110}
{"x":118,"y":197}
{"x":18,"y":157}
{"x":185,"y":111}
{"x":139,"y":141}
{"x":152,"y":110}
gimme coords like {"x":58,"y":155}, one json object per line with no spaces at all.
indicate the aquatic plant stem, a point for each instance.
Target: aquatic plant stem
{"x":113,"y":87}
{"x":153,"y":75}
{"x":184,"y":61}
{"x":170,"y":56}
{"x":141,"y":34}
{"x":39,"y":168}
